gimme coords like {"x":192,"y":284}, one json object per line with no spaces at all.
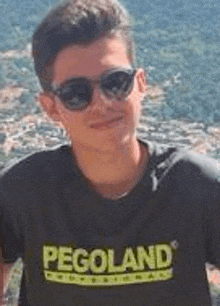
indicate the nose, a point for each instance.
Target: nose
{"x":98,"y":100}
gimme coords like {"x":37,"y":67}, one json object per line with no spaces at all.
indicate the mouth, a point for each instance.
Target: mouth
{"x":106,"y":124}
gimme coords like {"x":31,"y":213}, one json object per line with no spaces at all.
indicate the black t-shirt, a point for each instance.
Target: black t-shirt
{"x":148,"y":248}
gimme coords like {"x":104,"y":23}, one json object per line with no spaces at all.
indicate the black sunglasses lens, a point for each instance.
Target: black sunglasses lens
{"x":75,"y":94}
{"x":117,"y":84}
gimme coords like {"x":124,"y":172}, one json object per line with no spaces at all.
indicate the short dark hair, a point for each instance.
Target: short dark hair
{"x":78,"y":22}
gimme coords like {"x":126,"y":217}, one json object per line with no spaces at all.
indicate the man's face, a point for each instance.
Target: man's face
{"x":94,"y":126}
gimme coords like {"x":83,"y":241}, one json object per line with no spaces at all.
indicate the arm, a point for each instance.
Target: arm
{"x":5,"y":274}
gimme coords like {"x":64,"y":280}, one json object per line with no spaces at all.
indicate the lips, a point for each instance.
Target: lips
{"x":106,"y":123}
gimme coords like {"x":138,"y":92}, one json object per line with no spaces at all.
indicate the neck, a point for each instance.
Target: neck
{"x":114,"y":168}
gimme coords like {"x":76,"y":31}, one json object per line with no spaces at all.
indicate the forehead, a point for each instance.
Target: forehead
{"x":90,"y":60}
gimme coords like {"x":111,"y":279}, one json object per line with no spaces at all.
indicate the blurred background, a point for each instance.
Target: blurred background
{"x":178,"y":44}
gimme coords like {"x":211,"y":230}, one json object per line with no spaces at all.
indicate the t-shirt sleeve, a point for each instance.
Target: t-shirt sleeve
{"x":11,"y":241}
{"x":212,"y":226}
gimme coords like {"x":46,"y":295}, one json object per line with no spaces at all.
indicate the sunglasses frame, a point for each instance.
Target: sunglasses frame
{"x":57,"y":88}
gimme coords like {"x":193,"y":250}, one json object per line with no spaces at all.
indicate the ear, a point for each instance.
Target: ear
{"x":49,"y":105}
{"x":142,"y":82}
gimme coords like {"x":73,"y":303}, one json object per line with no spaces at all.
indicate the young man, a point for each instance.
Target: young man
{"x":111,"y":219}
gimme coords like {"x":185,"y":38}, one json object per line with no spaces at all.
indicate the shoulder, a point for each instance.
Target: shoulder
{"x":193,"y":165}
{"x":185,"y":160}
{"x":42,"y":164}
{"x":183,"y":170}
{"x":182,"y":164}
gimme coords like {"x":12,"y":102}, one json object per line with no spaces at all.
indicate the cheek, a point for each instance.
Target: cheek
{"x":69,"y":119}
{"x":133,"y":112}
{"x":134,"y":105}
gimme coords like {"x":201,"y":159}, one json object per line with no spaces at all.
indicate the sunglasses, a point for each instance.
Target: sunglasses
{"x":76,"y":93}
